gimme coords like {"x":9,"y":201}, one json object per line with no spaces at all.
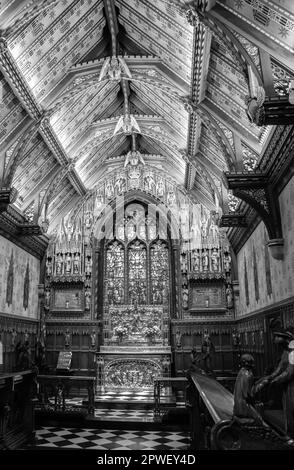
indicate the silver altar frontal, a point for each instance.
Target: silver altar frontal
{"x":135,"y":349}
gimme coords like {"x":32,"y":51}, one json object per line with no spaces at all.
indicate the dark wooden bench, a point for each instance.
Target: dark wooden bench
{"x":17,"y":421}
{"x":213,"y":425}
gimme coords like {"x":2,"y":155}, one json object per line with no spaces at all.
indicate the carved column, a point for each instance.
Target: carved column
{"x":176,"y":309}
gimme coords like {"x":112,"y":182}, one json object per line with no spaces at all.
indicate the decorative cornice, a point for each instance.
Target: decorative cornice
{"x":11,"y":222}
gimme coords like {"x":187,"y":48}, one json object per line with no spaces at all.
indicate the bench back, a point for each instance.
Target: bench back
{"x":217,"y":399}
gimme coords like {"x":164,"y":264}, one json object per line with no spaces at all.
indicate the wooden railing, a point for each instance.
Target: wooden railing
{"x":214,"y":426}
{"x":54,"y":390}
{"x":164,"y":384}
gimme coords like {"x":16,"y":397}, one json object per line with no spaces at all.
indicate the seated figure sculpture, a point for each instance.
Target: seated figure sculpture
{"x":244,"y":410}
{"x":283,"y":376}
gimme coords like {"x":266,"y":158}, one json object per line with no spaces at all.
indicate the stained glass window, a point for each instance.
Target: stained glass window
{"x":159,"y":273}
{"x":137,"y":269}
{"x":115,"y":274}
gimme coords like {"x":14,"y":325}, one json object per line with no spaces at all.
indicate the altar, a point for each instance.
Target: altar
{"x":135,"y":348}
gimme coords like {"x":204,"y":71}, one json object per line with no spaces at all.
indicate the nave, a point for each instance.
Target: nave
{"x":146,"y":224}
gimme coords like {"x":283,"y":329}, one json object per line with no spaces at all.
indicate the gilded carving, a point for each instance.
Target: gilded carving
{"x":131,"y":374}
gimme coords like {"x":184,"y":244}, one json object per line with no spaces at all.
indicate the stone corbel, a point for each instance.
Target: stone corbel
{"x":255,"y":189}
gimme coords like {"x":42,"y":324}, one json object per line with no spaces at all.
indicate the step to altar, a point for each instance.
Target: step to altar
{"x":130,"y":400}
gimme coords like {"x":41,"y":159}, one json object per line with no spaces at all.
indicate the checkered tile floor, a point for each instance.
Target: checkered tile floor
{"x":124,"y":415}
{"x":99,"y":439}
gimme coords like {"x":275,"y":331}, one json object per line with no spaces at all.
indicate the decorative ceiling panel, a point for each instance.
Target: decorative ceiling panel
{"x":166,"y":35}
{"x":12,"y":112}
{"x":75,"y":118}
{"x":267,"y":16}
{"x":58,"y":38}
{"x":173,"y":91}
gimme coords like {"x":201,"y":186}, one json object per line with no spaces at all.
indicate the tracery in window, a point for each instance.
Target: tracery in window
{"x":115,"y":274}
{"x":137,"y":270}
{"x":159,"y":273}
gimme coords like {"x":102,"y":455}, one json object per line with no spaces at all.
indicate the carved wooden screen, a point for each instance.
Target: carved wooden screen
{"x":137,"y":273}
{"x":115,"y":274}
{"x":159,"y":273}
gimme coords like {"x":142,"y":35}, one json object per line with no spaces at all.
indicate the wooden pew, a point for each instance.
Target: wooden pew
{"x":213,"y":425}
{"x":17,"y":421}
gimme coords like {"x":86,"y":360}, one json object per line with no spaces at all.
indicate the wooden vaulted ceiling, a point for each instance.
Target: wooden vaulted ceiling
{"x":184,"y":84}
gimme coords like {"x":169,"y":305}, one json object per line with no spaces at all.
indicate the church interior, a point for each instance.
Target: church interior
{"x":146,"y":231}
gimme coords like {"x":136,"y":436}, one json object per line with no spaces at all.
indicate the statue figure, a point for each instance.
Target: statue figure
{"x":40,"y":357}
{"x":77,"y":263}
{"x":204,"y":224}
{"x":109,"y":190}
{"x":255,"y":109}
{"x":59,"y":264}
{"x":178,"y":339}
{"x":171,"y":198}
{"x":93,"y":339}
{"x":149,"y":182}
{"x":47,"y":298}
{"x":283,"y":375}
{"x":88,"y":220}
{"x":68,"y":264}
{"x":13,"y":337}
{"x":134,"y":159}
{"x":160,"y":188}
{"x":244,"y":410}
{"x":214,"y":260}
{"x":88,"y":266}
{"x":48,"y":266}
{"x":184,"y":263}
{"x":23,"y":360}
{"x":88,"y":299}
{"x":185,"y":297}
{"x":227,"y":260}
{"x":207,"y":351}
{"x":235,"y":338}
{"x":120,"y":184}
{"x":10,"y":280}
{"x":229,"y":294}
{"x":67,"y":338}
{"x":205,"y":260}
{"x":213,"y":231}
{"x":195,"y":362}
{"x":114,"y":69}
{"x":195,"y":261}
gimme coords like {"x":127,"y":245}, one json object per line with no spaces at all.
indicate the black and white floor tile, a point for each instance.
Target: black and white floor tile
{"x":98,"y":439}
{"x":124,"y":415}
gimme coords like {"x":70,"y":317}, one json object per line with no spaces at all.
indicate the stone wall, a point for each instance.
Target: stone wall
{"x":265,"y":281}
{"x":19,"y":279}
